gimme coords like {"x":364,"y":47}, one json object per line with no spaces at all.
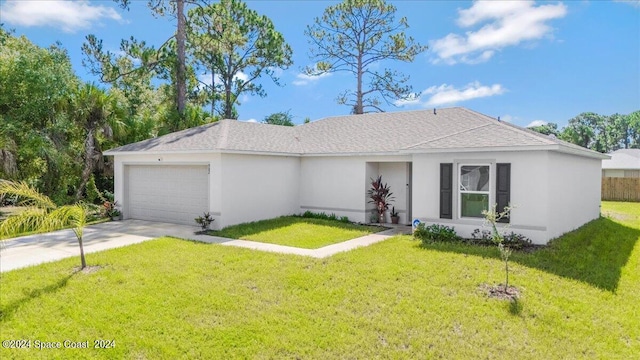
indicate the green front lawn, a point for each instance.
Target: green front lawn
{"x":171,"y":299}
{"x":297,"y":231}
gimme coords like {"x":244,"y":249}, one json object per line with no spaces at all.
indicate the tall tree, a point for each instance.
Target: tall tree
{"x":355,"y":36}
{"x":546,"y":129}
{"x":104,"y":63}
{"x":283,"y":118}
{"x":94,"y":112}
{"x":236,"y":45}
{"x":37,"y":136}
{"x":582,"y":130}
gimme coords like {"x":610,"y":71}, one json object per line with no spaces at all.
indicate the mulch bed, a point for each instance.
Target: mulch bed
{"x":498,"y":292}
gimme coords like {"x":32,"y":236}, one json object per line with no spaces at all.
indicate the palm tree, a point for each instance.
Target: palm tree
{"x":97,"y":113}
{"x":42,"y":214}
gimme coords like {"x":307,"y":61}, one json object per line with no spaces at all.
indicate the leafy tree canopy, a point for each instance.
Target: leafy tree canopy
{"x":355,"y":36}
{"x":236,"y":46}
{"x":280,"y":118}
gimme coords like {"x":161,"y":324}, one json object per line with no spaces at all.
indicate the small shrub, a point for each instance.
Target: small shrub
{"x":512,"y":240}
{"x":110,"y":209}
{"x":204,"y":221}
{"x":93,"y":195}
{"x":517,"y":241}
{"x":435,"y":233}
{"x":323,"y":216}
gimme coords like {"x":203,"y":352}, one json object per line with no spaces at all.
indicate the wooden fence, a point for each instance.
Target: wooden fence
{"x":620,"y":189}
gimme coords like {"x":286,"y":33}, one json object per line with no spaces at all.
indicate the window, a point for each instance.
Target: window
{"x":474,"y":190}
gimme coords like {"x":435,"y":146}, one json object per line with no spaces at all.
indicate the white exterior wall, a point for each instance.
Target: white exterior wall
{"x":552,"y":192}
{"x":213,"y":160}
{"x":258,"y":187}
{"x":529,"y":190}
{"x":618,"y":173}
{"x":574,"y":192}
{"x":339,"y":184}
{"x":334,"y":185}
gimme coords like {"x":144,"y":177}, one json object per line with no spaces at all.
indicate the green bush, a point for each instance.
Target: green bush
{"x":311,"y":215}
{"x":511,"y":240}
{"x":435,"y":233}
{"x":93,"y":195}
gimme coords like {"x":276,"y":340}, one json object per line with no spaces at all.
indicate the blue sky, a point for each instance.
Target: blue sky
{"x":527,"y":62}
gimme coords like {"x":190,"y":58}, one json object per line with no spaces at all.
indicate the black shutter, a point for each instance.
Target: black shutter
{"x":446,"y":191}
{"x":503,"y":188}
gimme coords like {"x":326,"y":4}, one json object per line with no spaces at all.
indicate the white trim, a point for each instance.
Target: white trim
{"x":558,"y":148}
{"x":180,"y":152}
{"x":401,"y":152}
{"x":459,"y":166}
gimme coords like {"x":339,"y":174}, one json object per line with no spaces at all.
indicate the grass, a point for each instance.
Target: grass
{"x":171,"y":298}
{"x":296,"y":231}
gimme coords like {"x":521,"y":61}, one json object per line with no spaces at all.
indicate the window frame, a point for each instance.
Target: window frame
{"x":459,"y":191}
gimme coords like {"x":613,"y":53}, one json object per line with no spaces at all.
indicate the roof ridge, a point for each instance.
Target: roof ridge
{"x":529,"y":133}
{"x":224,"y":132}
{"x":448,"y":135}
{"x":384,"y":112}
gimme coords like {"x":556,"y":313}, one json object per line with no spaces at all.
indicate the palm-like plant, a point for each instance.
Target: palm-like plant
{"x":380,"y":195}
{"x":42,"y":214}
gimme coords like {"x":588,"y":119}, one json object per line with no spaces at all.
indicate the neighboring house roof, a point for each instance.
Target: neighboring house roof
{"x":628,"y":159}
{"x":450,"y":129}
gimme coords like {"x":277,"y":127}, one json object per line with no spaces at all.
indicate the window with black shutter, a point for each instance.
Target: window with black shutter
{"x":503,"y":188}
{"x":446,"y":191}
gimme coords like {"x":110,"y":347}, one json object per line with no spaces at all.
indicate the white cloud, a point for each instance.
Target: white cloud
{"x":537,"y":123}
{"x":449,"y":94}
{"x":506,"y":23}
{"x":304,"y":79}
{"x":206,"y":78}
{"x":69,"y":16}
{"x":252,"y":120}
{"x":241,"y":76}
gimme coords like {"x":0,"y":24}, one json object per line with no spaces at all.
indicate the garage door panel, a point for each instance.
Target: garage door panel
{"x":167,"y":193}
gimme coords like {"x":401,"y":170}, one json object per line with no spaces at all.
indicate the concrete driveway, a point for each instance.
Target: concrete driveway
{"x":36,"y":249}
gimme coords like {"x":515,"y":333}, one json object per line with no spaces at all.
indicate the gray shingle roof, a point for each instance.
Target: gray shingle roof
{"x":230,"y":135}
{"x":623,"y":159}
{"x":391,"y":132}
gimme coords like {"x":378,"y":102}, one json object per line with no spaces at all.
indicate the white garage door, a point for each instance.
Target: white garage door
{"x":167,"y":193}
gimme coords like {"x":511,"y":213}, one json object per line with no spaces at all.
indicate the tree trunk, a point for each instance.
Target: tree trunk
{"x":181,"y":71}
{"x":82,"y":260}
{"x":506,"y":283}
{"x":359,"y":107}
{"x":213,"y":91}
{"x":89,"y":150}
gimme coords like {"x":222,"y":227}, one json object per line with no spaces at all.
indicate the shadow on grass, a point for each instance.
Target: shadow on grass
{"x":31,"y":294}
{"x":252,"y":228}
{"x":595,"y":253}
{"x":515,"y":307}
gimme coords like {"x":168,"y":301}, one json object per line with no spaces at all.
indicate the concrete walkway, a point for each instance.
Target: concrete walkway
{"x":35,"y":249}
{"x":320,"y":252}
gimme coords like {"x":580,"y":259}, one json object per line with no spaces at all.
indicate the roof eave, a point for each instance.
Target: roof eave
{"x":552,"y":147}
{"x":206,"y":151}
{"x":478,"y":149}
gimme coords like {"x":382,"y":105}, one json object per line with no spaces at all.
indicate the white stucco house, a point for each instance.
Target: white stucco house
{"x":443,"y":167}
{"x":623,"y":163}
